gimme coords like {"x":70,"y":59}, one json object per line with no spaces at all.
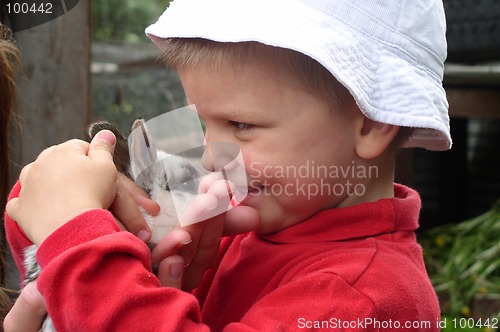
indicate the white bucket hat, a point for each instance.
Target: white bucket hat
{"x":389,"y":54}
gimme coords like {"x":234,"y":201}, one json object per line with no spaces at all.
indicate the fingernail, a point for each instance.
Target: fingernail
{"x":143,"y":235}
{"x":176,"y":271}
{"x":213,"y":207}
{"x":107,"y":136}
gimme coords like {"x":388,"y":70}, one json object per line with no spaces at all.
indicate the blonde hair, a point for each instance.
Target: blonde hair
{"x":9,"y":61}
{"x":180,"y":52}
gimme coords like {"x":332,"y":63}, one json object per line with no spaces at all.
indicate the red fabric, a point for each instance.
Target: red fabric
{"x":357,"y":267}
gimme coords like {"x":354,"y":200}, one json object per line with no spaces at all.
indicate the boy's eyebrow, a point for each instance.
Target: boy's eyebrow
{"x":239,"y":112}
{"x":245,"y":114}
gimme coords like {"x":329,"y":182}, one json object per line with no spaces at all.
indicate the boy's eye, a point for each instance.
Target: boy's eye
{"x":241,"y":126}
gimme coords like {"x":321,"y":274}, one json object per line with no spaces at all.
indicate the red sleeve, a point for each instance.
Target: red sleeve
{"x":15,"y":236}
{"x":98,"y":278}
{"x":320,"y":301}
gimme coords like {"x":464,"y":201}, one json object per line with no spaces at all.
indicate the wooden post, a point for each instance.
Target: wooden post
{"x":54,"y":88}
{"x":54,"y":101}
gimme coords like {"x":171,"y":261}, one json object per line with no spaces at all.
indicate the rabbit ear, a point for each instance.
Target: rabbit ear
{"x":121,"y":156}
{"x":142,"y":150}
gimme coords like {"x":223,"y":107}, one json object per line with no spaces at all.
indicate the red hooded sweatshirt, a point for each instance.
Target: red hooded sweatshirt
{"x":357,"y":268}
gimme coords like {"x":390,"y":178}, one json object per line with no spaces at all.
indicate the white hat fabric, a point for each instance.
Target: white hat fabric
{"x":388,"y":53}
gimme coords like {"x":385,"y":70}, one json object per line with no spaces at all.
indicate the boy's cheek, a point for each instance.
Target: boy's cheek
{"x":253,"y":170}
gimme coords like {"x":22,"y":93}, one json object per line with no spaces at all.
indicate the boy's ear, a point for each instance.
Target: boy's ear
{"x":373,"y":138}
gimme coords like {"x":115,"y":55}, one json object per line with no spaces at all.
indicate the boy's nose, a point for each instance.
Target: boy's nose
{"x":220,"y":155}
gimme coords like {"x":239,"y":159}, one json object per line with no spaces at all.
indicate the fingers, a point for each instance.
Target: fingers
{"x":13,"y":208}
{"x":138,"y":194}
{"x":24,"y":173}
{"x":126,"y":211}
{"x":102,"y":145}
{"x":85,"y":178}
{"x":202,"y":253}
{"x":202,"y":207}
{"x":197,"y":244}
{"x":170,"y":271}
{"x":241,"y":219}
{"x":170,"y":245}
{"x":208,"y":205}
{"x":206,"y":244}
{"x":49,"y":150}
{"x":26,"y":169}
{"x":126,"y":207}
{"x":207,"y":181}
{"x":28,"y":313}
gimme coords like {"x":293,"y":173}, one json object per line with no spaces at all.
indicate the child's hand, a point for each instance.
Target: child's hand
{"x":196,"y":246}
{"x":125,"y":207}
{"x":28,"y":312}
{"x":65,"y":181}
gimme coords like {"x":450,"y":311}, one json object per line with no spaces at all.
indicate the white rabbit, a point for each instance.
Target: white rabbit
{"x":153,"y":170}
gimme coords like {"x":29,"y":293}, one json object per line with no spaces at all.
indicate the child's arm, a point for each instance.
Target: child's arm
{"x":88,"y":257}
{"x":125,"y":208}
{"x":61,"y":207}
{"x":65,"y":181}
{"x":51,"y":185}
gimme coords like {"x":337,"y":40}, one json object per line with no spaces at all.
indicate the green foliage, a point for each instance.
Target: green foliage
{"x":464,"y":260}
{"x":124,"y":21}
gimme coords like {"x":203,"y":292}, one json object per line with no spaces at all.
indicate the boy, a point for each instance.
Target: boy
{"x":316,"y":94}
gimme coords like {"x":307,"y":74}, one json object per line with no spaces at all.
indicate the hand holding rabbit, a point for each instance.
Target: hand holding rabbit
{"x":93,"y":185}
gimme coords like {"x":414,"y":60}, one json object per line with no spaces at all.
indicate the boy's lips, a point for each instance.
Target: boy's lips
{"x":254,"y":183}
{"x":255,"y":186}
{"x":252,"y":193}
{"x":254,"y":190}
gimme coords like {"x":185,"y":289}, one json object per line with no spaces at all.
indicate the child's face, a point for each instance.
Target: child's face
{"x":285,"y":133}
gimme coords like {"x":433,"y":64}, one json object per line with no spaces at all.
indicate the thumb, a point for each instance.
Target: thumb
{"x":28,"y":312}
{"x":170,"y":271}
{"x":102,"y":145}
